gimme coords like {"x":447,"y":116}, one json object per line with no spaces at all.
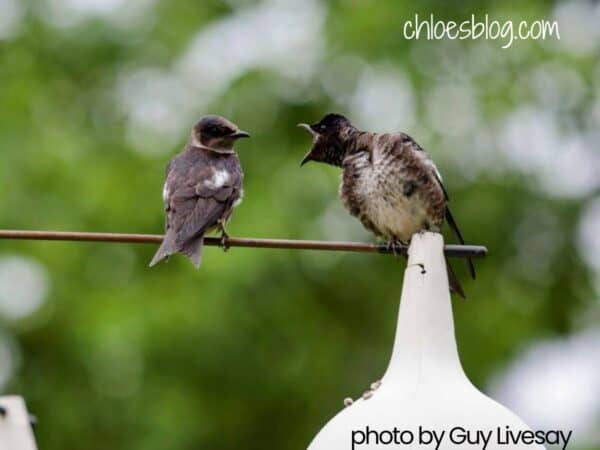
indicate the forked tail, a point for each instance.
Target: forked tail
{"x":166,"y":249}
{"x":455,"y":285}
{"x":454,"y":227}
{"x":193,"y":250}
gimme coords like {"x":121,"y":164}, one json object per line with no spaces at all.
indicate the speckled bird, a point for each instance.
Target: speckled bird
{"x":203,"y":185}
{"x":389,"y":182}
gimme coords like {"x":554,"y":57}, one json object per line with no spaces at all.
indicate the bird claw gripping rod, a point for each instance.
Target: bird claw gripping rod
{"x":458,"y":251}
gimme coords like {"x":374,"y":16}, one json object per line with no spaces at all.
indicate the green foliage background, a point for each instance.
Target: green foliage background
{"x":258,"y":348}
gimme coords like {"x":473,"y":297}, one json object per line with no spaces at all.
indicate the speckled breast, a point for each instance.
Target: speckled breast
{"x":388,"y":198}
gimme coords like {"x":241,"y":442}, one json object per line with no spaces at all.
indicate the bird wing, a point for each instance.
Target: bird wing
{"x":195,"y":206}
{"x":428,"y":163}
{"x":202,"y":214}
{"x":165,"y":194}
{"x":451,"y":222}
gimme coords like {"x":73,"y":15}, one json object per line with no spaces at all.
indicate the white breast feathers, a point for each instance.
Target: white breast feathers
{"x":219,"y":179}
{"x":239,"y":199}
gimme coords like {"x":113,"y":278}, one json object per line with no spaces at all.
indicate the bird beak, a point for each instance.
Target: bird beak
{"x":307,"y":158}
{"x":240,"y":134}
{"x":308,"y":128}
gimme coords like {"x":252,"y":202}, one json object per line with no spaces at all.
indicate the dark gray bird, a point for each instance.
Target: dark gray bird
{"x":389,"y":182}
{"x":203,"y":185}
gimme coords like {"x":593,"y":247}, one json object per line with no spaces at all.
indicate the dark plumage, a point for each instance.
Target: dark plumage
{"x":389,"y":182}
{"x":203,"y":185}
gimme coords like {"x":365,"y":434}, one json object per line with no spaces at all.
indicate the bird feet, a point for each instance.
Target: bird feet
{"x":395,"y":246}
{"x":224,"y":237}
{"x":224,"y":244}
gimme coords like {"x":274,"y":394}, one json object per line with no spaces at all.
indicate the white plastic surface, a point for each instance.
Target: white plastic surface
{"x":15,"y":426}
{"x":424,"y":385}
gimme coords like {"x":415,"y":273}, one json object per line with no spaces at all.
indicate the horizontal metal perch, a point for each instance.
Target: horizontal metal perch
{"x":462,"y":251}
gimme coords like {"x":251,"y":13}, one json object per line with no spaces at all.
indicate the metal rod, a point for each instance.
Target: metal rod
{"x":461,"y":251}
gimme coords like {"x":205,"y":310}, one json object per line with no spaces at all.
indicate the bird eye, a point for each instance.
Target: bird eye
{"x":322,"y":127}
{"x":213,"y":130}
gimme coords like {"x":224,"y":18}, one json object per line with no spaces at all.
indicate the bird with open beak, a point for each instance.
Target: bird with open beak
{"x":203,"y":185}
{"x":388,"y":182}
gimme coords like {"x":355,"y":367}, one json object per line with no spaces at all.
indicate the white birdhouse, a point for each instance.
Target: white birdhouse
{"x":424,"y":389}
{"x":15,"y":425}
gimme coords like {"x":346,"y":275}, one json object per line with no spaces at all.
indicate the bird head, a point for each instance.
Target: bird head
{"x":328,"y":137}
{"x":216,"y":133}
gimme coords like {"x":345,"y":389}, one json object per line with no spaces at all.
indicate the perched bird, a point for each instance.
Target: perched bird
{"x":203,"y":185}
{"x":389,"y":182}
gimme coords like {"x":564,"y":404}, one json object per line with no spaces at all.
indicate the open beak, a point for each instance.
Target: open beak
{"x":307,"y":158}
{"x":240,"y":134}
{"x":308,"y":128}
{"x":315,"y":135}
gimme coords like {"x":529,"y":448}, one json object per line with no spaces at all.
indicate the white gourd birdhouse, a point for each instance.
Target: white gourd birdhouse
{"x":15,"y":425}
{"x":424,"y":386}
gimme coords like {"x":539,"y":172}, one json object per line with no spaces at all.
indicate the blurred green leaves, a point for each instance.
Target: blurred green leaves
{"x":258,"y":348}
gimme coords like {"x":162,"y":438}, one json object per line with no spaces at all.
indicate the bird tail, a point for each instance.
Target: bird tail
{"x":166,"y":249}
{"x":454,"y":227}
{"x":455,"y":285}
{"x":193,"y":250}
